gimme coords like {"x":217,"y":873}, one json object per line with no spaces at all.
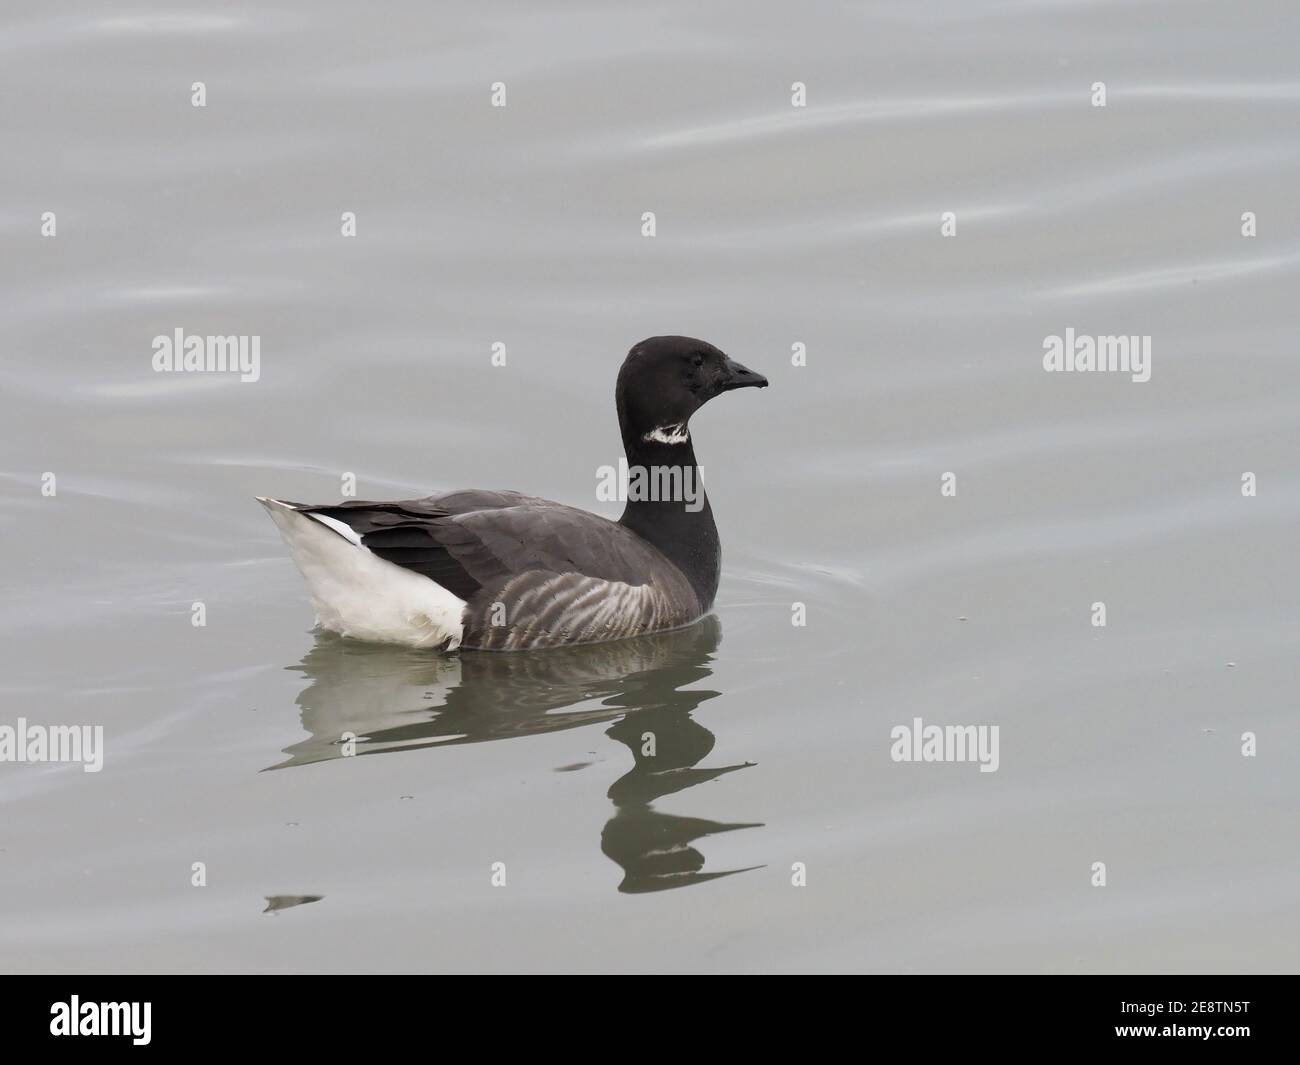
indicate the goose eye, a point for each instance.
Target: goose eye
{"x":698,"y":360}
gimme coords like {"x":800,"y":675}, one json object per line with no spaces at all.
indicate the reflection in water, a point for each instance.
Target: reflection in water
{"x":653,"y":848}
{"x":383,"y":699}
{"x":276,"y":903}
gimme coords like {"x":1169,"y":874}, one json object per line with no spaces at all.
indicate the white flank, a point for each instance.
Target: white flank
{"x":356,"y":593}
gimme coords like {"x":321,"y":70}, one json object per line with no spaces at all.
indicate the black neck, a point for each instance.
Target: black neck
{"x":688,"y":538}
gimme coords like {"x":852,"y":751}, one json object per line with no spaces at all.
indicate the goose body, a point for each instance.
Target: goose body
{"x":502,"y":571}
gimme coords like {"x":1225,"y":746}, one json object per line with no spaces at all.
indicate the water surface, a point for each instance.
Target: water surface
{"x":776,"y":226}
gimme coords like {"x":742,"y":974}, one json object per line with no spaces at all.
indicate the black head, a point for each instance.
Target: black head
{"x":664,"y":380}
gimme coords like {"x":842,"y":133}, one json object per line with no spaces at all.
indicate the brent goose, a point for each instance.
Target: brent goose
{"x":501,"y":571}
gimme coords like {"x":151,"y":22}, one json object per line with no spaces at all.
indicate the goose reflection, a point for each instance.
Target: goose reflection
{"x":377,"y":700}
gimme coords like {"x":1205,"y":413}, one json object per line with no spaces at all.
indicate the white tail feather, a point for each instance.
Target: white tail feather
{"x":356,"y":593}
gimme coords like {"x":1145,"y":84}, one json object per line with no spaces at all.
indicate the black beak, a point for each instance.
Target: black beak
{"x":734,"y":375}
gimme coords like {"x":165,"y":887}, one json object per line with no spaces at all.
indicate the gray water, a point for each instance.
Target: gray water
{"x":776,"y":226}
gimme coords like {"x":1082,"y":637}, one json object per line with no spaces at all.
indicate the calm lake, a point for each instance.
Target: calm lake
{"x":501,"y":812}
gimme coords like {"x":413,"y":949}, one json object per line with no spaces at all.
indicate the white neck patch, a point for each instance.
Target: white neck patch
{"x":668,"y":434}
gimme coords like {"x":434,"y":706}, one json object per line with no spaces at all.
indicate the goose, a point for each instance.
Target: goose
{"x":501,"y":571}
